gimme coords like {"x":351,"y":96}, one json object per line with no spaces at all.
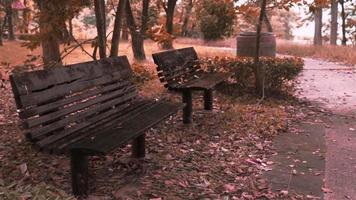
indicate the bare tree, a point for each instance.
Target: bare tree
{"x":318,"y":18}
{"x":117,"y":28}
{"x":188,"y":11}
{"x":99,"y":6}
{"x":259,"y":69}
{"x":343,"y":25}
{"x":136,"y":36}
{"x":333,"y":29}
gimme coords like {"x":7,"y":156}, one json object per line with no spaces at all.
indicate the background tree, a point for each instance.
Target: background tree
{"x":318,"y":24}
{"x":99,"y":6}
{"x":117,"y":28}
{"x":333,"y":24}
{"x":136,"y":36}
{"x":169,"y":6}
{"x":216,"y":18}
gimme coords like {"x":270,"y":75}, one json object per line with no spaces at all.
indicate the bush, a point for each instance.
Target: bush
{"x":141,"y":74}
{"x":216,"y":18}
{"x":278,"y":70}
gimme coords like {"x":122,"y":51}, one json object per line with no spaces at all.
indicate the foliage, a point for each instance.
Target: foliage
{"x":160,"y":36}
{"x":141,"y":74}
{"x":216,"y":18}
{"x":278,"y":70}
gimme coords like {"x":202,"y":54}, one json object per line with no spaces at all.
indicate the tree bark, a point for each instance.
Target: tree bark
{"x":333,"y":28}
{"x":136,"y":37}
{"x":101,"y":26}
{"x":1,"y":42}
{"x":318,"y":18}
{"x":26,"y":16}
{"x":343,"y":25}
{"x":267,"y":22}
{"x":170,"y":15}
{"x":171,"y":4}
{"x":259,"y":69}
{"x":49,"y":40}
{"x":145,"y":6}
{"x":117,"y":28}
{"x":125,"y":32}
{"x":10,"y":24}
{"x":188,"y":12}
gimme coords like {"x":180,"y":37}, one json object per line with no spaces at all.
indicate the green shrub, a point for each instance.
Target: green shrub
{"x":278,"y":70}
{"x":216,"y":18}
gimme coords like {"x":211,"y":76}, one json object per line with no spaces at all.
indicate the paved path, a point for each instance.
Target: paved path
{"x":334,"y":87}
{"x":327,"y":132}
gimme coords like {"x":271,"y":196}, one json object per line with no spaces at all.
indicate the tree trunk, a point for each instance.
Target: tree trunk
{"x":343,"y":17}
{"x":26,"y":16}
{"x":125,"y":32}
{"x":169,"y":20}
{"x":267,"y":22}
{"x":170,"y":15}
{"x":101,"y":26}
{"x":145,"y":6}
{"x":10,"y":23}
{"x":188,"y":12}
{"x":1,"y":42}
{"x":136,"y":37}
{"x":333,"y":28}
{"x":50,"y":43}
{"x":318,"y":18}
{"x":117,"y":28}
{"x":259,"y":69}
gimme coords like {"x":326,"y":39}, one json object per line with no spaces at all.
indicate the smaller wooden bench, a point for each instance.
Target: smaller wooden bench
{"x":179,"y":70}
{"x":85,"y":109}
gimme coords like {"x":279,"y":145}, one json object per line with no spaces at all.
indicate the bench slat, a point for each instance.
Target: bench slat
{"x":60,"y":91}
{"x":50,"y":142}
{"x":100,"y":125}
{"x":48,"y":107}
{"x":29,"y":123}
{"x":29,"y":82}
{"x":45,"y":129}
{"x":110,"y":139}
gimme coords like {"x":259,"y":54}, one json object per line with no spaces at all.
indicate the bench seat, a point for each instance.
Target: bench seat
{"x":179,"y":70}
{"x":86,"y":109}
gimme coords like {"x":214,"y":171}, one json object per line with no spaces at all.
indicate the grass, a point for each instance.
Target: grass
{"x":342,"y":54}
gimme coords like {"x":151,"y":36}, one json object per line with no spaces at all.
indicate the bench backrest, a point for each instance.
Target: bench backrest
{"x":177,"y":66}
{"x":59,"y":105}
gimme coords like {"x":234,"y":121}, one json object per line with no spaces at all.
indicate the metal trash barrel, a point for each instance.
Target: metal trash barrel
{"x":246,"y":44}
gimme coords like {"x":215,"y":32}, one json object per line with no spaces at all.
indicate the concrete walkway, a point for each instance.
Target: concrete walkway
{"x":328,"y":130}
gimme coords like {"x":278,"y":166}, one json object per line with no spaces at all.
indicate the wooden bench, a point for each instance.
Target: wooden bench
{"x":179,"y":70}
{"x":85,"y":109}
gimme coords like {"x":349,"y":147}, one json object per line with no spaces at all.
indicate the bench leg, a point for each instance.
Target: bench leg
{"x":79,"y":171}
{"x":187,"y":110}
{"x":208,"y":99}
{"x":138,"y":147}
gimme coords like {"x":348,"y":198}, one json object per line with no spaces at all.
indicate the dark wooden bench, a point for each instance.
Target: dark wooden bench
{"x":179,"y":70}
{"x":85,"y":109}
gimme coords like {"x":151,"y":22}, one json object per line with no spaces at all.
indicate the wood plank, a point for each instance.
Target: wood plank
{"x":207,"y":81}
{"x":38,"y":98}
{"x":43,"y":130}
{"x":28,"y":82}
{"x":29,"y":123}
{"x":169,"y":60}
{"x":99,"y":126}
{"x":26,"y":113}
{"x":111,"y":139}
{"x":112,"y":118}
